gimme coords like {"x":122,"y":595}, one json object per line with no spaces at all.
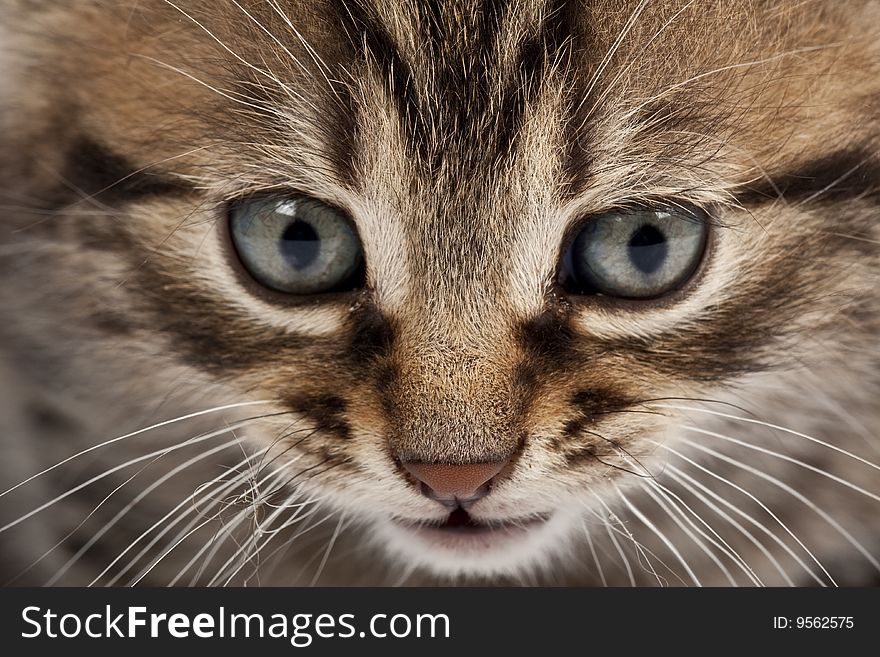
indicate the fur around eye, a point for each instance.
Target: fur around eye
{"x":640,"y":254}
{"x":297,"y":245}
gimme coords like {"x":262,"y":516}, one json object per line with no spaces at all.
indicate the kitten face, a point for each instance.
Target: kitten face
{"x":468,"y":146}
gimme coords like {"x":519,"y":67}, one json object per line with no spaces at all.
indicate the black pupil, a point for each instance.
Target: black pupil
{"x":647,"y":248}
{"x":300,"y":244}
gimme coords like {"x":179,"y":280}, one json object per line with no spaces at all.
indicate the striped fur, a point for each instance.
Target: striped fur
{"x":467,"y":140}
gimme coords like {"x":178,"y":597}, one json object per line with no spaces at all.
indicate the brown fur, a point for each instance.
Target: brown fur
{"x":466,"y":140}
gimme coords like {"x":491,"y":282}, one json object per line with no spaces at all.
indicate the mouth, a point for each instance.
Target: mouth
{"x":460,"y":530}
{"x":474,"y":544}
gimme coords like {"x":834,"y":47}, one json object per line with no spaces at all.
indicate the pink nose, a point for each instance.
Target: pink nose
{"x":445,"y":481}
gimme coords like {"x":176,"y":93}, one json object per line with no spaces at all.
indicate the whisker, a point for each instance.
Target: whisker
{"x":262,"y":72}
{"x":73,"y":531}
{"x":278,"y":553}
{"x":143,"y":494}
{"x":247,"y":554}
{"x":203,"y":487}
{"x":770,"y":425}
{"x":722,"y":69}
{"x":271,"y":481}
{"x":330,"y":545}
{"x":159,"y":452}
{"x":663,"y":538}
{"x":635,"y":60}
{"x":609,"y":55}
{"x":794,"y":493}
{"x":641,"y":551}
{"x":614,"y":541}
{"x":763,"y":506}
{"x":787,"y":458}
{"x":313,"y":54}
{"x":130,"y":435}
{"x":679,"y":477}
{"x":646,"y":474}
{"x":587,"y":533}
{"x":661,"y":491}
{"x":190,"y":529}
{"x":289,"y":542}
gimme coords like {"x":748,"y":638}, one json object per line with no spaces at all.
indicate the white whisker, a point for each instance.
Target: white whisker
{"x":194,"y":525}
{"x":787,"y":458}
{"x":131,"y":435}
{"x":228,"y":485}
{"x":330,"y":544}
{"x":769,"y":425}
{"x":680,"y":478}
{"x":663,"y":538}
{"x":96,"y":536}
{"x":723,"y":69}
{"x":614,"y":541}
{"x":271,"y":482}
{"x":271,"y":535}
{"x":794,"y":493}
{"x":721,"y":544}
{"x":595,"y":556}
{"x":641,"y":551}
{"x":159,"y":452}
{"x":248,"y":551}
{"x":763,"y":506}
{"x":609,"y":55}
{"x":262,"y":72}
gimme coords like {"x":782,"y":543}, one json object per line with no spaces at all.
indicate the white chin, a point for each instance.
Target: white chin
{"x":511,"y":550}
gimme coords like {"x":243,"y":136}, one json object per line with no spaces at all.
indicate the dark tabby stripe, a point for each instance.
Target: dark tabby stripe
{"x":94,"y":170}
{"x":479,"y":122}
{"x":327,"y":412}
{"x":365,"y":31}
{"x":840,"y":175}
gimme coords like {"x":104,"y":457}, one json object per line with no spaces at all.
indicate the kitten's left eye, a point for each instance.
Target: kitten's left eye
{"x":639,"y":254}
{"x":297,"y":245}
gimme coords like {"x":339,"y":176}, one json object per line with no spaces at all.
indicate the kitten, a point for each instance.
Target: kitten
{"x":363,"y":292}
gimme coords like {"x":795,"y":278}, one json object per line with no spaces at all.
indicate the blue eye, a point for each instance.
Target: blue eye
{"x":638,"y":254}
{"x":297,"y":245}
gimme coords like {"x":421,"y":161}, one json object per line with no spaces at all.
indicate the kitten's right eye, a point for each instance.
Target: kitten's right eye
{"x":297,"y":245}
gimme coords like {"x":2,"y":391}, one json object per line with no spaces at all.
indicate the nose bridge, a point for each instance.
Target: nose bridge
{"x":453,"y":398}
{"x":459,"y":252}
